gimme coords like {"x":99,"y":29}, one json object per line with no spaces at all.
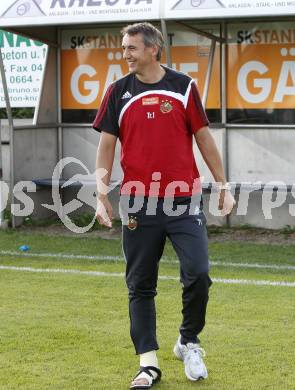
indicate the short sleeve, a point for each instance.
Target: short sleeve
{"x":106,"y":118}
{"x":196,"y":115}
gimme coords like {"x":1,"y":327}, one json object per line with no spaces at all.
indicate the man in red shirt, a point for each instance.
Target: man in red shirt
{"x":155,"y":112}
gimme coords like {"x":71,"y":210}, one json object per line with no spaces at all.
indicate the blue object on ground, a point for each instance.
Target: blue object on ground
{"x":24,"y":248}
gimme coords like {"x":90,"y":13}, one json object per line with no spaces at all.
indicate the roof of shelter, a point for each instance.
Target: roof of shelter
{"x":32,"y":13}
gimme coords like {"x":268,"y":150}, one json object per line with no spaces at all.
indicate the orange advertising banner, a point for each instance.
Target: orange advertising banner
{"x":261,"y":77}
{"x":260,"y":65}
{"x":86,"y":74}
{"x":91,"y":60}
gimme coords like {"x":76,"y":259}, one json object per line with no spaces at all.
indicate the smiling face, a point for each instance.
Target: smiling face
{"x":139,"y":57}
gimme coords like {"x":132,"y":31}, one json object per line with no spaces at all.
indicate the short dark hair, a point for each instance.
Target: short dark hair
{"x":151,"y":35}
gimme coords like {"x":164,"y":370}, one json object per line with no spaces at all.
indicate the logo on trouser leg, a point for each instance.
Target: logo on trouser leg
{"x":200,"y":223}
{"x":132,"y":223}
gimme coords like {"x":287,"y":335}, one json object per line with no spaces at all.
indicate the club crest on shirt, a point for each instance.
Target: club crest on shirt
{"x":132,"y":223}
{"x":166,"y":106}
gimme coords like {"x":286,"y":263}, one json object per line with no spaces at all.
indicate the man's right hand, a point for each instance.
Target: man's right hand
{"x":104,"y":211}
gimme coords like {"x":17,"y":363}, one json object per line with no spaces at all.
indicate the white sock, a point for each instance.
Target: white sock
{"x":149,"y":359}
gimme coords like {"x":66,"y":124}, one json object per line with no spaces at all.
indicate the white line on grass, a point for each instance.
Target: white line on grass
{"x":61,"y":255}
{"x":162,"y":277}
{"x":254,"y":265}
{"x":164,"y":260}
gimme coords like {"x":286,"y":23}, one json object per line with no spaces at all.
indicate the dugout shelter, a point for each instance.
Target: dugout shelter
{"x":241,"y":53}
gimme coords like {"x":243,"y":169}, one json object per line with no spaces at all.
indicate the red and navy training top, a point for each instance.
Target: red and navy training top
{"x":155,"y":124}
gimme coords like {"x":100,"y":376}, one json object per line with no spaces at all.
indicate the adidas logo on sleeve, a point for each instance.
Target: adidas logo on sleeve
{"x":127,"y":95}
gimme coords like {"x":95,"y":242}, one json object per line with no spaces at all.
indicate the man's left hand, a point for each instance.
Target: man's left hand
{"x":226,"y":202}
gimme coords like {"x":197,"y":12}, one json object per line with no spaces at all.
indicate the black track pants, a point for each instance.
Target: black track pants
{"x":143,"y":244}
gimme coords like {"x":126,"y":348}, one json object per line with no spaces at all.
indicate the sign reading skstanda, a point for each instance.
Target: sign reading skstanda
{"x":24,"y":62}
{"x":91,"y":59}
{"x":38,"y":12}
{"x":260,"y":66}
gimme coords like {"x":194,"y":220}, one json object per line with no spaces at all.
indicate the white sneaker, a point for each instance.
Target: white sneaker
{"x":191,"y":355}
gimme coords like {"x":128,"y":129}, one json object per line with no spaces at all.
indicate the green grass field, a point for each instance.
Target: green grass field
{"x":70,"y":330}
